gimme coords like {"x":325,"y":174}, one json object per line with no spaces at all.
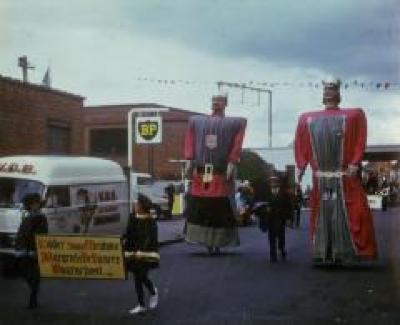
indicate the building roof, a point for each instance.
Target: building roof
{"x":380,"y":152}
{"x":140,"y":106}
{"x":38,"y":87}
{"x":118,"y":113}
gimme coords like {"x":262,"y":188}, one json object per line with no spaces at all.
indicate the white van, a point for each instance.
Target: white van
{"x":144,"y":183}
{"x":81,"y":195}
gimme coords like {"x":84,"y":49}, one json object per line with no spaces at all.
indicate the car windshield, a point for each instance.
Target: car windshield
{"x":12,"y":191}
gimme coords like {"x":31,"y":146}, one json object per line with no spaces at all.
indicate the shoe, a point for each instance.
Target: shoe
{"x":137,"y":310}
{"x":154,"y":300}
{"x":32,"y":303}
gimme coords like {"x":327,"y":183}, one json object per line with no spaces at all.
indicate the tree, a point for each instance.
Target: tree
{"x":254,"y":169}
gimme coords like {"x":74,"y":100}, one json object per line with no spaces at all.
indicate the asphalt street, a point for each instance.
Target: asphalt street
{"x":238,"y":286}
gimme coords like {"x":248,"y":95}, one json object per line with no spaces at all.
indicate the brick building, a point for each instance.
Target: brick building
{"x":106,"y":135}
{"x":39,"y":120}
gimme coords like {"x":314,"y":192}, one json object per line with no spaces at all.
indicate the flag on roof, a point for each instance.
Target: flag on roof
{"x":46,"y":78}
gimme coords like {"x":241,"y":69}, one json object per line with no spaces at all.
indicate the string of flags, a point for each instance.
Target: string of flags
{"x":353,"y":84}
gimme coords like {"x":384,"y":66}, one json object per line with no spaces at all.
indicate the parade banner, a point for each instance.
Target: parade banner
{"x":82,"y":257}
{"x":148,"y":129}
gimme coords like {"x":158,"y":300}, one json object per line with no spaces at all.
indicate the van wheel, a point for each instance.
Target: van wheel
{"x":8,"y":267}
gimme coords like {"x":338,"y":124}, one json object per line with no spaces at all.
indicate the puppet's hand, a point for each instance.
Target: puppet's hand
{"x":352,"y":170}
{"x":300,"y":174}
{"x":188,"y":169}
{"x":230,"y":170}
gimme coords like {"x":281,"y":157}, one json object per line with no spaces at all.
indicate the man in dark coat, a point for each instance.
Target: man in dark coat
{"x":278,"y":210}
{"x":32,"y":224}
{"x":170,"y":192}
{"x":298,"y":204}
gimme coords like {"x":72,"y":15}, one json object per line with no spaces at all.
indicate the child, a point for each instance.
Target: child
{"x":141,"y":251}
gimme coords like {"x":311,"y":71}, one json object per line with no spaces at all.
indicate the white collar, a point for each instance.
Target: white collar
{"x":144,"y":216}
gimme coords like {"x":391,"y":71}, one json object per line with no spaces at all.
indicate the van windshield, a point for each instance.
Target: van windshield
{"x":12,"y":191}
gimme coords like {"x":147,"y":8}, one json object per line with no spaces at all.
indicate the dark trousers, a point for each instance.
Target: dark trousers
{"x":298,"y":212}
{"x":170,"y":205}
{"x":141,"y":278}
{"x":31,"y":274}
{"x":274,"y":236}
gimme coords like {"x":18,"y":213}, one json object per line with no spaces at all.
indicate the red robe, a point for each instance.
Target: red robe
{"x":356,"y":205}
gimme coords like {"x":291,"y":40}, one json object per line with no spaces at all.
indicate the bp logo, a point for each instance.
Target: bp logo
{"x":148,"y":130}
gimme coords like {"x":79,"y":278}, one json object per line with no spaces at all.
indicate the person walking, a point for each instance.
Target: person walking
{"x":33,"y":223}
{"x":298,"y":204}
{"x":170,"y":193}
{"x":276,"y":214}
{"x":141,"y":251}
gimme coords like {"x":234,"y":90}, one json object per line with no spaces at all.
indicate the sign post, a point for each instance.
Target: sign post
{"x":144,"y":127}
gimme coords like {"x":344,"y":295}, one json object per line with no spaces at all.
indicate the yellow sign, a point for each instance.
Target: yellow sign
{"x":177,"y":207}
{"x":87,"y":257}
{"x":148,"y":129}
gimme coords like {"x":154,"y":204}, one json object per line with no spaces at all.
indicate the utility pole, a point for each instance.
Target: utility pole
{"x":258,"y":90}
{"x":25,"y":66}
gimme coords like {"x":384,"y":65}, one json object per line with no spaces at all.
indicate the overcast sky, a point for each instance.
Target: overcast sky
{"x":100,"y":49}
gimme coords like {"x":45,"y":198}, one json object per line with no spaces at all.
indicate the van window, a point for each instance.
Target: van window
{"x":13,"y":190}
{"x":144,"y":181}
{"x":58,"y":196}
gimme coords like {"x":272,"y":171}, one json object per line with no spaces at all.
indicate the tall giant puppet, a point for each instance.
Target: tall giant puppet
{"x":212,"y":148}
{"x":332,"y":141}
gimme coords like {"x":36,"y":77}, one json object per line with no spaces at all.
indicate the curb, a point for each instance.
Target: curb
{"x":178,"y":239}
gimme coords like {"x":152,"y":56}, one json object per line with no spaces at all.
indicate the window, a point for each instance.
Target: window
{"x":58,"y":138}
{"x":106,"y":142}
{"x":144,"y":181}
{"x":58,"y":196}
{"x":12,"y":191}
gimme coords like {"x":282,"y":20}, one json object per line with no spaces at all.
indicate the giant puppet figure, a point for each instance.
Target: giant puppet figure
{"x":212,"y":148}
{"x":332,"y":141}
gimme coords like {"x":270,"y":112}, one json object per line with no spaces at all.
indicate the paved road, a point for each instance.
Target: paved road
{"x":238,"y":286}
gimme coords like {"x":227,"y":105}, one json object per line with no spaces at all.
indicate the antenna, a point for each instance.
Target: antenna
{"x":25,"y":66}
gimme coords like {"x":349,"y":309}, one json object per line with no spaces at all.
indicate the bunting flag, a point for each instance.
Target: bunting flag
{"x":46,"y":78}
{"x":346,"y":84}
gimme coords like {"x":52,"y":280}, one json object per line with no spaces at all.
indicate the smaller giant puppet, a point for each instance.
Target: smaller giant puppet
{"x":212,"y":148}
{"x":332,"y":141}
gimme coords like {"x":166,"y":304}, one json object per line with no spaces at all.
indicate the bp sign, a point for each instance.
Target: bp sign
{"x":148,"y":129}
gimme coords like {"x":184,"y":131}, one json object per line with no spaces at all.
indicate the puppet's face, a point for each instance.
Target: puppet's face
{"x":219,"y":103}
{"x":331,"y":96}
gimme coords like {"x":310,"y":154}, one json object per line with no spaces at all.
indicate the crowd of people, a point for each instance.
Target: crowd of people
{"x":374,"y":184}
